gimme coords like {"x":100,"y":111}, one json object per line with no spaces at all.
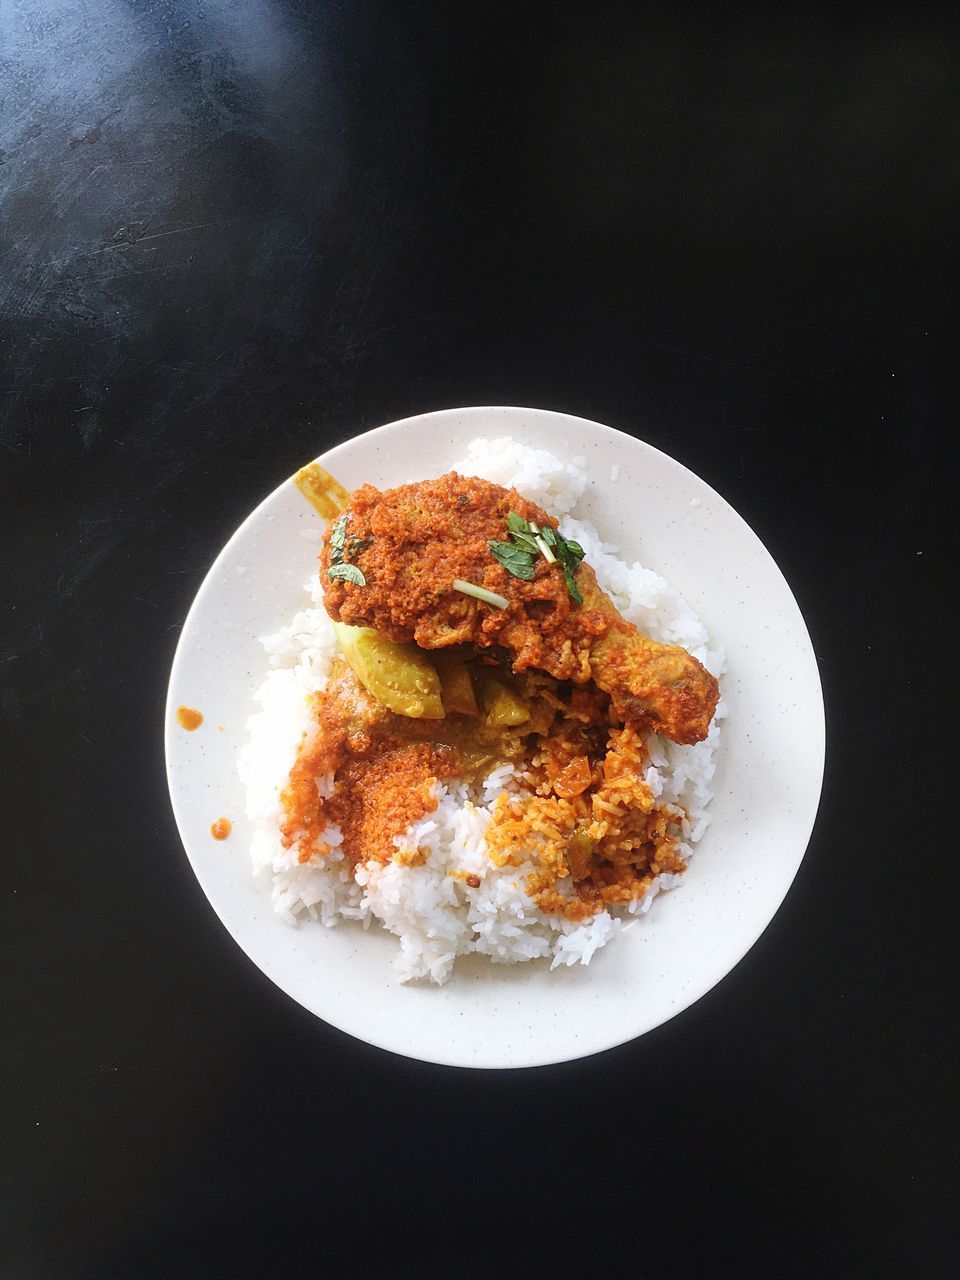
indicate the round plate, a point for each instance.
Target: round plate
{"x":767,"y":783}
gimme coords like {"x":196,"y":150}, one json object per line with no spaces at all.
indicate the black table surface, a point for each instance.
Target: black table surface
{"x":236,"y":233}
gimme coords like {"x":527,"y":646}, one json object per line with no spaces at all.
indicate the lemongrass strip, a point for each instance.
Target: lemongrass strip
{"x":480,"y":593}
{"x":547,"y":553}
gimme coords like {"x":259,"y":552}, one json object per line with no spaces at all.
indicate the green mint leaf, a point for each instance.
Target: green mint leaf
{"x":349,"y":572}
{"x":572,"y":587}
{"x":569,"y":553}
{"x":514,"y":559}
{"x":527,"y":541}
{"x":355,"y":545}
{"x":519,"y":555}
{"x":337,"y":534}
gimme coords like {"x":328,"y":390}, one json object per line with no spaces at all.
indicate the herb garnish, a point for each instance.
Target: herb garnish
{"x":570,"y":553}
{"x":572,"y":586}
{"x":527,"y":541}
{"x":514,"y":558}
{"x":355,"y":545}
{"x":348,"y":571}
{"x":521,"y":534}
{"x":337,"y":534}
{"x":340,"y":554}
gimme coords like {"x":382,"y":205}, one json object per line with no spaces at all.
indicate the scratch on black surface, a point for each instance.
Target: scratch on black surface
{"x":42,"y":382}
{"x":734,"y":364}
{"x":133,"y":232}
{"x":129,"y":233}
{"x":141,"y":271}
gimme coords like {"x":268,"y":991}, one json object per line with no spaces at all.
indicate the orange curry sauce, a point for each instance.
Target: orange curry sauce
{"x":582,"y":805}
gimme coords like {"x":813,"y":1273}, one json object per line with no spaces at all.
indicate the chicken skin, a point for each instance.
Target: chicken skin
{"x":410,"y":543}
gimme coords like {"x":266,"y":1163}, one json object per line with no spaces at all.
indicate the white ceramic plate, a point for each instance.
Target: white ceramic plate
{"x":767,"y":784}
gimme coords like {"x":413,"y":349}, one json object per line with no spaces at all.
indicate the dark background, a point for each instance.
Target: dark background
{"x":236,"y":233}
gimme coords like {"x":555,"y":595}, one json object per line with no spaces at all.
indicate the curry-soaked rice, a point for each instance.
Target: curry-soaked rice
{"x":582,"y":810}
{"x":600,"y":847}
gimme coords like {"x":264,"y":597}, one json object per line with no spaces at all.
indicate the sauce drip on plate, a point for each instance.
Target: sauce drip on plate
{"x":323,"y":491}
{"x":189,"y":718}
{"x":221,"y":828}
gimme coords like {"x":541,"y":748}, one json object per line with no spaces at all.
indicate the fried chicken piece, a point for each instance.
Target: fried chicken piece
{"x":411,"y":543}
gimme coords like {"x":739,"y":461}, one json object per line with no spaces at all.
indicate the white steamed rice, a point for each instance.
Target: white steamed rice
{"x":435,"y":914}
